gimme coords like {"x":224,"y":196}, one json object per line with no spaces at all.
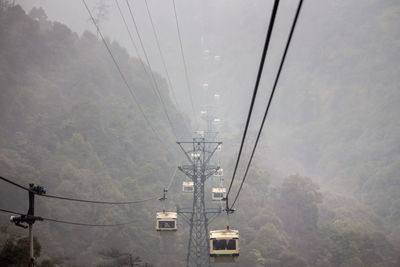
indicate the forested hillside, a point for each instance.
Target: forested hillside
{"x":341,"y":120}
{"x":68,"y":122}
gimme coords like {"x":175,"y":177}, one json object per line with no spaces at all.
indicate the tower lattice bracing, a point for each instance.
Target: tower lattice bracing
{"x":199,"y":153}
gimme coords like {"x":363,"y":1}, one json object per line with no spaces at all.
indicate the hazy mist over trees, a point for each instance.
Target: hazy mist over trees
{"x":324,"y":186}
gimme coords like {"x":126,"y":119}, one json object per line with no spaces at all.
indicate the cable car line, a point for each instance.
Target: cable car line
{"x":123,"y":76}
{"x":81,"y":200}
{"x":88,"y":224}
{"x":161,"y":53}
{"x":157,"y":90}
{"x":100,"y":202}
{"x":133,"y":41}
{"x":10,"y":211}
{"x":14,"y":183}
{"x":266,"y":45}
{"x":184,"y":62}
{"x":69,"y":222}
{"x":270,"y":98}
{"x":172,"y":179}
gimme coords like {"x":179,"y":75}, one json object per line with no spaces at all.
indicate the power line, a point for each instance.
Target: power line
{"x":100,"y":202}
{"x":69,"y":222}
{"x":10,"y":211}
{"x":132,"y":41}
{"x":88,"y":224}
{"x":172,"y":179}
{"x":266,"y":45}
{"x":184,"y":62}
{"x":14,"y":183}
{"x":161,"y":53}
{"x":155,"y":88}
{"x":81,"y":200}
{"x":122,"y":75}
{"x":270,"y":98}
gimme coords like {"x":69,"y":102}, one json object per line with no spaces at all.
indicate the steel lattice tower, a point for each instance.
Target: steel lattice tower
{"x":199,"y":153}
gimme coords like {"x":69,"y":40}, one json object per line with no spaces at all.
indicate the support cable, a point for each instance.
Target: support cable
{"x":11,"y":212}
{"x":270,"y":98}
{"x":161,"y":53}
{"x":81,"y":200}
{"x":266,"y":45}
{"x":88,"y":224}
{"x":122,"y":75}
{"x":155,"y":88}
{"x":69,"y":222}
{"x":172,"y":179}
{"x":184,"y":62}
{"x":100,"y":202}
{"x":132,"y":41}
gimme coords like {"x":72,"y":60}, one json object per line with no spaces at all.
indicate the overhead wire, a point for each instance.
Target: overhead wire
{"x":160,"y":51}
{"x":155,"y":88}
{"x":11,"y":212}
{"x":14,"y":183}
{"x":132,"y":40}
{"x":88,"y":224}
{"x":69,"y":222}
{"x":184,"y":62}
{"x":100,"y":202}
{"x":80,"y":200}
{"x":123,"y":76}
{"x":260,"y":70}
{"x":172,"y":179}
{"x":270,"y":98}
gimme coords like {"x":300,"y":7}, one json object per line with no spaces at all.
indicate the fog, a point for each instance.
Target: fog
{"x":323,"y":188}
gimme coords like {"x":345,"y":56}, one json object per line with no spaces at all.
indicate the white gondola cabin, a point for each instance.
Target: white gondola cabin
{"x":224,"y":245}
{"x":187,"y":187}
{"x":199,"y":134}
{"x":217,"y":121}
{"x":219,"y":148}
{"x":219,"y":172}
{"x":195,"y":155}
{"x":218,"y":193}
{"x":166,"y":222}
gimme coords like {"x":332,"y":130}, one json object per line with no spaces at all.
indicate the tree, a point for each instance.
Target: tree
{"x":297,"y":206}
{"x":15,"y":251}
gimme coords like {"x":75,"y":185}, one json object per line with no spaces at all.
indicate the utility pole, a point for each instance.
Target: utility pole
{"x":199,"y":153}
{"x":30,"y":218}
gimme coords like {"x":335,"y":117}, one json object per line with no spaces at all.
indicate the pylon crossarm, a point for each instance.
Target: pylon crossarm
{"x":185,"y":218}
{"x":185,"y":152}
{"x":185,"y":210}
{"x":186,"y":172}
{"x":212,"y":218}
{"x":210,"y":173}
{"x":212,"y":153}
{"x":212,"y":167}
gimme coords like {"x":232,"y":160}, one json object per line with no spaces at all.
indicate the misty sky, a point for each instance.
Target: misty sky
{"x":235,"y":31}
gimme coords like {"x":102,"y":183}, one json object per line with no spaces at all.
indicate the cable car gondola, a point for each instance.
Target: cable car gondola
{"x":224,"y":245}
{"x":219,"y":172}
{"x":218,"y":193}
{"x":187,"y":187}
{"x":166,"y":222}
